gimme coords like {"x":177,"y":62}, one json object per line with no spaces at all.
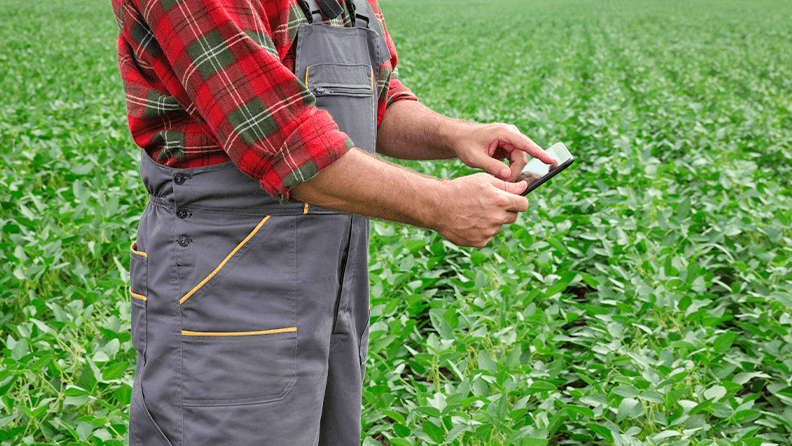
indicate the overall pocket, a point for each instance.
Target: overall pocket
{"x":138,"y":277}
{"x":239,"y":330}
{"x":347,"y":92}
{"x":229,"y":368}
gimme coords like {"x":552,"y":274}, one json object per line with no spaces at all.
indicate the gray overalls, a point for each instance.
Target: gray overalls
{"x":250,"y":318}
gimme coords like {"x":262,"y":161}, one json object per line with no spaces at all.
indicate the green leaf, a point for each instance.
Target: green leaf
{"x":603,"y":431}
{"x":541,"y":386}
{"x":557,"y":287}
{"x":456,"y":431}
{"x":393,"y":415}
{"x":486,"y":363}
{"x":75,"y":391}
{"x":114,"y":370}
{"x":441,"y":325}
{"x":723,"y":342}
{"x":628,"y":408}
{"x":20,"y":350}
{"x":436,"y":433}
{"x":715,"y":393}
{"x":123,"y":394}
{"x":626,"y":391}
{"x":652,"y":397}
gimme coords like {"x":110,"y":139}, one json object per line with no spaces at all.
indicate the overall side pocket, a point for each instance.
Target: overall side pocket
{"x":143,"y":431}
{"x":138,"y":277}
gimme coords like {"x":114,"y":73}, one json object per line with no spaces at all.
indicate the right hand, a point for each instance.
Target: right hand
{"x":474,"y":208}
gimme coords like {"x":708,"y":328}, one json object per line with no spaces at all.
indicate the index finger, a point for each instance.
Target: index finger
{"x":524,"y":143}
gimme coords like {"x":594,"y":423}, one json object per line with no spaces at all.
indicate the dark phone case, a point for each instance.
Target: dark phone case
{"x":547,"y":176}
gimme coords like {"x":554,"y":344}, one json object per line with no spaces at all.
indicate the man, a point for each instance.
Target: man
{"x":250,"y":309}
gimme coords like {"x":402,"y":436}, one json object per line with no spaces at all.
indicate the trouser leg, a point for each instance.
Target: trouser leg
{"x":340,"y":425}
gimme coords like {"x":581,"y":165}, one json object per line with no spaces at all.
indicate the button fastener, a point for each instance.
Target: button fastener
{"x":182,"y":214}
{"x":179,"y":178}
{"x":184,"y":240}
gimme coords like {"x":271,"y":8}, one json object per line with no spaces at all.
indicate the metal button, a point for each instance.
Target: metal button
{"x":181,"y":213}
{"x":184,"y":240}
{"x":179,"y":178}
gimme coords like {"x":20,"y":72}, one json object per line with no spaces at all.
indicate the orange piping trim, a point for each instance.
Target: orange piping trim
{"x":306,"y":76}
{"x":239,"y":333}
{"x":134,"y":250}
{"x":138,"y":296}
{"x":305,"y":210}
{"x":222,"y":264}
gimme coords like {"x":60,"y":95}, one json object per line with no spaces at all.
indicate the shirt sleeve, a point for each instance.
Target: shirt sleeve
{"x":221,"y":65}
{"x":396,"y":91}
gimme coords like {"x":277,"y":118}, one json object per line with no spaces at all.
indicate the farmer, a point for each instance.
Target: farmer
{"x":250,"y":307}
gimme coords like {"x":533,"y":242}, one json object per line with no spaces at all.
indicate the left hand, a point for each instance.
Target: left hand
{"x":483,"y":146}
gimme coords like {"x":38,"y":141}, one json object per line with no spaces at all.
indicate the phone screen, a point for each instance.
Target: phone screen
{"x":536,"y":172}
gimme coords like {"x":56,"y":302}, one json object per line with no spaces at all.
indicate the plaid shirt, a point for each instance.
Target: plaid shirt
{"x":211,"y":80}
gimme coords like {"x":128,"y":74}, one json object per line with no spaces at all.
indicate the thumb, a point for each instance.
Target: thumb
{"x":512,"y":188}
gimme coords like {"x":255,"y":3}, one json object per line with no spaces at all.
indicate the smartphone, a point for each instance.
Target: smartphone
{"x":536,"y":172}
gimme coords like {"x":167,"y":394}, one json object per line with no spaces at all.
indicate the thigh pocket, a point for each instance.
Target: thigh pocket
{"x":347,"y":93}
{"x":239,"y":330}
{"x":138,"y":275}
{"x":232,"y":368}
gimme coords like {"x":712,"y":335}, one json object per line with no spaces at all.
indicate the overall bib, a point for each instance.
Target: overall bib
{"x":250,"y":317}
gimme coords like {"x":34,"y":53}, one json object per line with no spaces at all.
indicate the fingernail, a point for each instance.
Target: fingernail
{"x":505,"y":173}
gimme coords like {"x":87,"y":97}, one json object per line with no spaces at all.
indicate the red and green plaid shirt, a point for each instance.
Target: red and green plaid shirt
{"x":211,"y":80}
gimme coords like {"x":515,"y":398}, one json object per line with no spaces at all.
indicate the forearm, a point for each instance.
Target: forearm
{"x":411,"y":130}
{"x":363,"y":184}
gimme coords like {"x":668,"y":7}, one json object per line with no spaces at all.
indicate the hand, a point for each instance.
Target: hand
{"x":474,"y":208}
{"x":483,"y":146}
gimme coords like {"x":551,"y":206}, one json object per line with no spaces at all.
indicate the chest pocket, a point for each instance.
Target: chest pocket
{"x":347,"y":92}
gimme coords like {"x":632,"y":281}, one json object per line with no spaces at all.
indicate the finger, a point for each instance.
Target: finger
{"x":512,"y":188}
{"x":524,"y":143}
{"x":511,"y":217}
{"x":517,"y":161}
{"x":493,"y":166}
{"x":510,"y":199}
{"x":482,"y":243}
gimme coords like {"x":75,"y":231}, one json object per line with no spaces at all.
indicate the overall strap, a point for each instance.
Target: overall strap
{"x":330,"y":8}
{"x":363,"y":10}
{"x":357,"y":9}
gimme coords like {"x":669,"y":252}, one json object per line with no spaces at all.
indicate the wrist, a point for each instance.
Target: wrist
{"x":433,"y":204}
{"x":451,"y":134}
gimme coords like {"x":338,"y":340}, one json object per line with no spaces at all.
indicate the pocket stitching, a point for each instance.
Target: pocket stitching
{"x":138,"y":301}
{"x":238,"y":333}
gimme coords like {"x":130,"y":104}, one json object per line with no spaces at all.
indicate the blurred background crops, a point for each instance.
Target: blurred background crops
{"x":645,"y":297}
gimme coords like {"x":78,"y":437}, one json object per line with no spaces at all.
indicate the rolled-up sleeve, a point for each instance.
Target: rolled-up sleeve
{"x":221,"y":66}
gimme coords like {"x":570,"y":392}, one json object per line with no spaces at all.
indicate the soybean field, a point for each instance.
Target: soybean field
{"x":645,"y":298}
